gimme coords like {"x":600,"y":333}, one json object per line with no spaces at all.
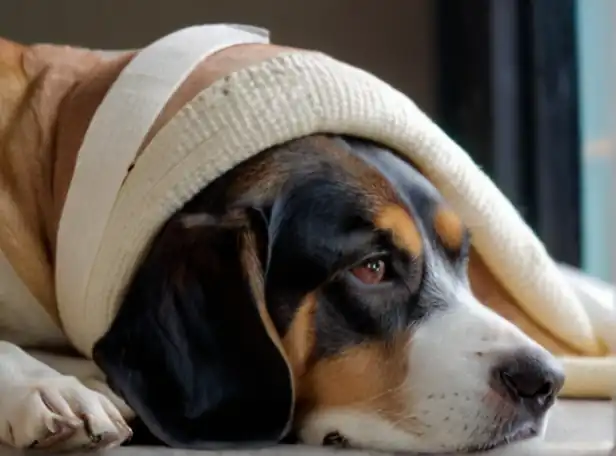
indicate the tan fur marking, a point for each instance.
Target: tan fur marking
{"x":369,"y":377}
{"x":299,"y":339}
{"x":24,"y":168}
{"x":449,"y":228}
{"x":254,"y":275}
{"x":12,"y":80}
{"x":48,"y":95}
{"x":405,"y":233}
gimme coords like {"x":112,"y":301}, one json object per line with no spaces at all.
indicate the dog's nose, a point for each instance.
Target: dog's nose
{"x":534,"y":381}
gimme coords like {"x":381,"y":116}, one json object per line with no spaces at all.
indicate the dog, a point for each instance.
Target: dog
{"x":337,"y":245}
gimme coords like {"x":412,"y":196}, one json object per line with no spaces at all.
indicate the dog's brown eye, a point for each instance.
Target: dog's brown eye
{"x":371,"y":272}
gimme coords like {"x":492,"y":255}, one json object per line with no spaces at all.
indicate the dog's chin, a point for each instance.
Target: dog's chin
{"x":518,"y":433}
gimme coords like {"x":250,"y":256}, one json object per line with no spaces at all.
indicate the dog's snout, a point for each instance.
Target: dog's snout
{"x":530,"y":380}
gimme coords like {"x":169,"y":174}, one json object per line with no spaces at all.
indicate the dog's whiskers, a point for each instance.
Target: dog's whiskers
{"x":378,"y":395}
{"x":409,"y":423}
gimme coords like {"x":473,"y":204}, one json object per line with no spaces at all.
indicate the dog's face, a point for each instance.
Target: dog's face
{"x":329,"y":277}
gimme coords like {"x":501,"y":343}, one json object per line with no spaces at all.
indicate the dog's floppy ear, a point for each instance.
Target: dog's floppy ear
{"x":193,"y":350}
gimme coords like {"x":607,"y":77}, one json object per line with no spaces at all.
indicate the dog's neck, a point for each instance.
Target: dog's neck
{"x":75,"y":113}
{"x":41,"y":128}
{"x":52,"y":94}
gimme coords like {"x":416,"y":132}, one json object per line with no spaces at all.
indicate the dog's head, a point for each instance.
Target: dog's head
{"x":327,"y":276}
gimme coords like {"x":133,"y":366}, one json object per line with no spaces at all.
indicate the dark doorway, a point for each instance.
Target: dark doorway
{"x":508,"y":93}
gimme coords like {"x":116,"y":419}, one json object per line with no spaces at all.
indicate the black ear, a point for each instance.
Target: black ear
{"x":192,"y":349}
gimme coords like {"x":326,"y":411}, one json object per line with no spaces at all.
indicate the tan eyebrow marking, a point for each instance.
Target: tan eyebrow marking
{"x":404,"y":230}
{"x":449,"y":228}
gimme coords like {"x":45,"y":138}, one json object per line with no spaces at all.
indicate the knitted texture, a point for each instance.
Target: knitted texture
{"x":114,"y":137}
{"x":292,"y":95}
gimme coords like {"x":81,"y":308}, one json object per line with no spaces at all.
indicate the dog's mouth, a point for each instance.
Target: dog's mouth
{"x":519,"y":433}
{"x":522,"y":432}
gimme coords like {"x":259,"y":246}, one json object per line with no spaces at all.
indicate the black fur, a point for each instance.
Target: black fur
{"x":188,"y":350}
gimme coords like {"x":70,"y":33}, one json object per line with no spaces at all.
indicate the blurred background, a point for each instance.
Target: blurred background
{"x":526,"y":86}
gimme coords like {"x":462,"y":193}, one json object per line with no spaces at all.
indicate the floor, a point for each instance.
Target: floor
{"x":583,"y":428}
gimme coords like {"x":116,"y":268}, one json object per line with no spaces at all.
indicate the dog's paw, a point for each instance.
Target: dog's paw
{"x":60,"y":414}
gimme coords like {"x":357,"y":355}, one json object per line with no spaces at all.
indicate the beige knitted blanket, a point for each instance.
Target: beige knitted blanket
{"x":289,"y":95}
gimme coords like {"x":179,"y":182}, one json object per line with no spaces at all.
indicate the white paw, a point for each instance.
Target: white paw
{"x":60,"y":414}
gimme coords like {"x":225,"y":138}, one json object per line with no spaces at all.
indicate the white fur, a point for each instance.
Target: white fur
{"x":449,"y":401}
{"x":40,"y":404}
{"x":32,"y":383}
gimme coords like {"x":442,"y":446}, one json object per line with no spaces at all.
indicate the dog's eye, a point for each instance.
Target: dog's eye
{"x":371,"y":271}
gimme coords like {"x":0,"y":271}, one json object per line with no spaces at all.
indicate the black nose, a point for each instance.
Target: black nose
{"x":533,"y":381}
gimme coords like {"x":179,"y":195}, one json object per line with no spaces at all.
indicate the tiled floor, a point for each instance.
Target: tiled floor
{"x":584,"y":428}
